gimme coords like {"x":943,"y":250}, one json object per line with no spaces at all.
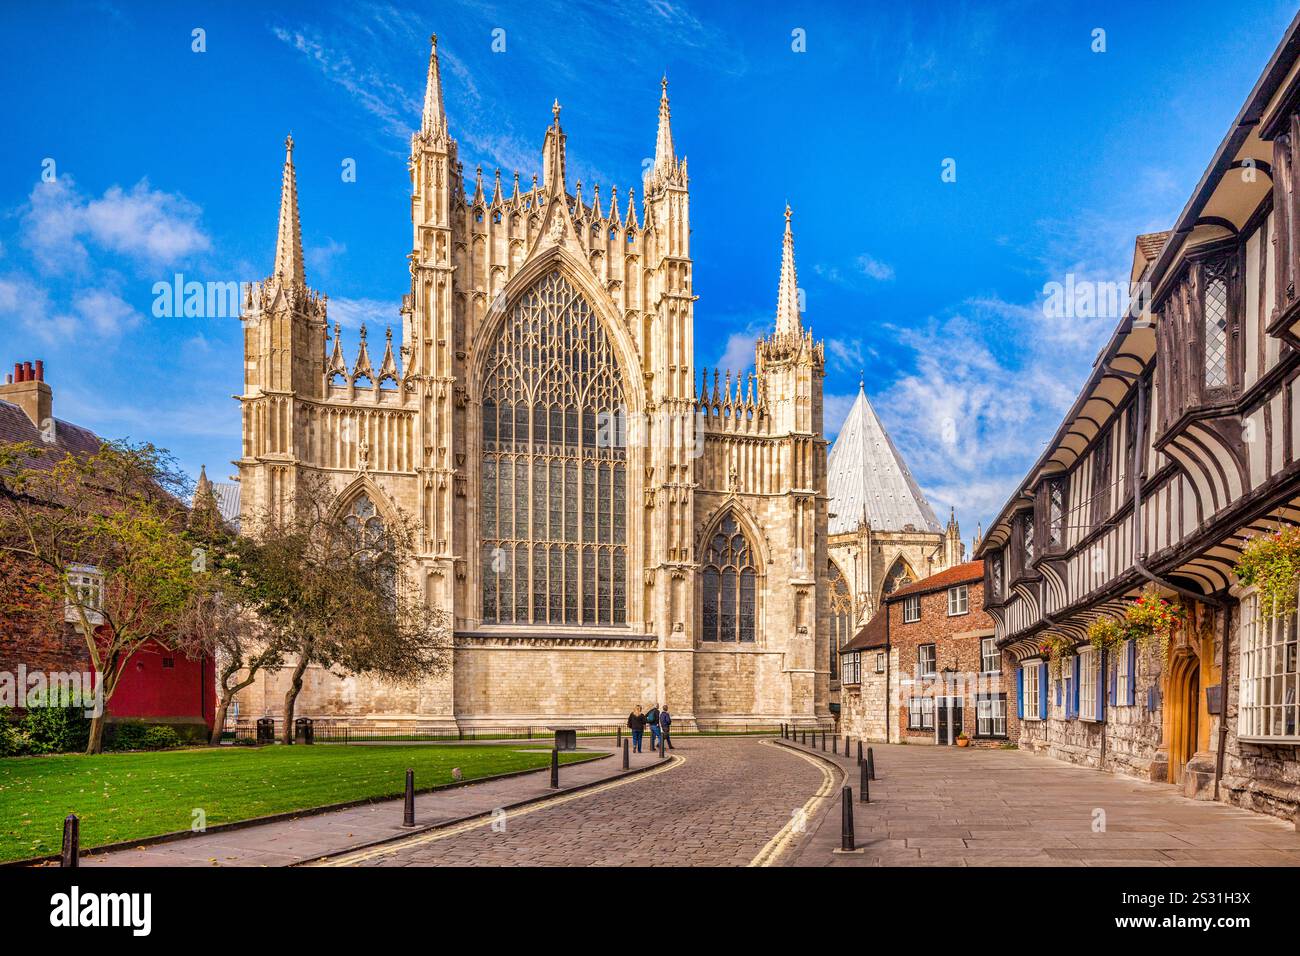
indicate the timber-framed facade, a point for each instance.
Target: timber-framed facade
{"x":1180,"y":448}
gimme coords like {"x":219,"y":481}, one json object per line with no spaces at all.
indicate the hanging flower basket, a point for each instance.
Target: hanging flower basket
{"x":1150,"y":619}
{"x":1106,"y":633}
{"x":1271,"y":564}
{"x":1057,"y":650}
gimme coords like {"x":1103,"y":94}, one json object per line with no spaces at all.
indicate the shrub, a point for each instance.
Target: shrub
{"x":14,"y":741}
{"x":55,"y":729}
{"x":134,"y":735}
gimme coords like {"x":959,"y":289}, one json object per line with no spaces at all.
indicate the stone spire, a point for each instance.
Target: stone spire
{"x":665,"y":157}
{"x":553,"y":155}
{"x":288,"y":241}
{"x":434,"y":121}
{"x":787,"y":293}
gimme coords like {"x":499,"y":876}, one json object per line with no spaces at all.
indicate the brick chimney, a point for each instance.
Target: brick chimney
{"x":26,"y":388}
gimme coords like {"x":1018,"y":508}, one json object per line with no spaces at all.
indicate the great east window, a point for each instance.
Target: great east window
{"x":553,"y":512}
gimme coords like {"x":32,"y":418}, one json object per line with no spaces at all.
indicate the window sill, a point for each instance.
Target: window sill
{"x":1290,"y":741}
{"x":958,"y":613}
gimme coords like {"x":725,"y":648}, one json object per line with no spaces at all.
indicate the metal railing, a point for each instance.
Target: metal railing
{"x":327,"y":730}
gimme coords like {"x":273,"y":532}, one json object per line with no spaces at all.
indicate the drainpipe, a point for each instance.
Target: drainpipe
{"x":884,"y":607}
{"x":1138,"y":548}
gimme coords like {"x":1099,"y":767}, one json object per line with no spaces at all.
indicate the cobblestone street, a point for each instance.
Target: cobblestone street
{"x":721,"y":806}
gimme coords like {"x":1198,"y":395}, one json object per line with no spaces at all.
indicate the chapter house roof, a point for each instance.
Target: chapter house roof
{"x":867,"y":476}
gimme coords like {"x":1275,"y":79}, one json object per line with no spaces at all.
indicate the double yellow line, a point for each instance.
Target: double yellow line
{"x":770,"y":855}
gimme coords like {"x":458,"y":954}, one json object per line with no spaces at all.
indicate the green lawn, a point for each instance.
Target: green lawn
{"x":133,"y":795}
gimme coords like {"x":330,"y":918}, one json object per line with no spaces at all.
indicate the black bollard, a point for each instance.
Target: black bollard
{"x":859,"y":751}
{"x":846,"y":820}
{"x":803,"y":736}
{"x":871,"y":764}
{"x":626,"y":745}
{"x":846,"y":745}
{"x":555,"y":768}
{"x":823,"y":741}
{"x":662,"y":753}
{"x":863,"y":785}
{"x":835,"y":745}
{"x":783,"y":731}
{"x":618,"y":737}
{"x":71,"y":855}
{"x":408,"y":807}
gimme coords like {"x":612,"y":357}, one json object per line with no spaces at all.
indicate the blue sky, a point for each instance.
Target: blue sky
{"x":167,"y":160}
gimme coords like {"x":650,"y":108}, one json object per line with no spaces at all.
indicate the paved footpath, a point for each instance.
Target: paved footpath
{"x":305,"y":838}
{"x":726,"y":801}
{"x":946,"y":806}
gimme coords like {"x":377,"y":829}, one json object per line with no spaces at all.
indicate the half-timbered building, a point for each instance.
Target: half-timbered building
{"x":1181,"y":446}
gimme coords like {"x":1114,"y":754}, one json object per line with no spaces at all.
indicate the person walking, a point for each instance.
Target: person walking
{"x":636,"y":724}
{"x":652,"y":720}
{"x":666,"y":721}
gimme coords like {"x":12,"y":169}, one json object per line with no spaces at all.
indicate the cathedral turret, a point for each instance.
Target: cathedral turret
{"x":288,"y":239}
{"x":954,"y":549}
{"x":434,"y":121}
{"x":787,"y":289}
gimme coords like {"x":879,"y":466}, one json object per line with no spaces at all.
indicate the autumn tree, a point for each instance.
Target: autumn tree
{"x":344,"y":595}
{"x":103,"y":535}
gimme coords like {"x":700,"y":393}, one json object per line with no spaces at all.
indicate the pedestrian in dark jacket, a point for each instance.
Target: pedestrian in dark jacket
{"x":636,"y":724}
{"x":652,"y":721}
{"x":666,"y":721}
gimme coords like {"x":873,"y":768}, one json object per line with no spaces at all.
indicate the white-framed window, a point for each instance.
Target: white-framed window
{"x":1270,"y":693}
{"x":958,"y":600}
{"x":990,"y":659}
{"x":1088,"y":676}
{"x":852,"y":667}
{"x":87,"y":583}
{"x":1033,"y":706}
{"x":857,"y":667}
{"x":926,"y":660}
{"x":920,"y":713}
{"x":991,"y":715}
{"x":880,"y":662}
{"x":1123,"y":676}
{"x":912,"y":609}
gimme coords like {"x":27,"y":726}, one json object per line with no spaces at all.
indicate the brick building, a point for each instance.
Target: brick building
{"x":925,"y":669}
{"x":37,"y":640}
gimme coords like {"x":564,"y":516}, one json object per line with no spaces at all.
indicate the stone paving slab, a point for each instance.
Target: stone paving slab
{"x":948,"y":806}
{"x":289,"y":842}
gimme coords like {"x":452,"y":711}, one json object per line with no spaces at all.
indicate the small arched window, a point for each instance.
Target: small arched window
{"x":729,"y":580}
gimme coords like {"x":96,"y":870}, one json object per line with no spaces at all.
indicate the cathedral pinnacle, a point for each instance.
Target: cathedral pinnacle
{"x":787,"y":294}
{"x":434,"y":120}
{"x":665,"y":157}
{"x":288,"y":240}
{"x":553,"y":155}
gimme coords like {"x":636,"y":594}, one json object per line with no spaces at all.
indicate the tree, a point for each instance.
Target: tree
{"x":104,"y":536}
{"x":344,"y":597}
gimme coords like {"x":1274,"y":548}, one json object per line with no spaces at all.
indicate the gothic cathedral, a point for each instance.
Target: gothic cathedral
{"x":606,"y":524}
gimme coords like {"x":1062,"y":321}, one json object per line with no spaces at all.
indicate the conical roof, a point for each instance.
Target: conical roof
{"x":867,"y":476}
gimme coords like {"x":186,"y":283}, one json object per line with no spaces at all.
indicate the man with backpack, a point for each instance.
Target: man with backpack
{"x":652,"y":720}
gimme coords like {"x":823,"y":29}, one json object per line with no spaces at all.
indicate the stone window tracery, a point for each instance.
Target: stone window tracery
{"x":729,"y":585}
{"x":553,"y":516}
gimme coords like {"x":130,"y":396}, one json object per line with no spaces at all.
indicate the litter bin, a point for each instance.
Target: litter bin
{"x":266,"y":730}
{"x":303,"y":732}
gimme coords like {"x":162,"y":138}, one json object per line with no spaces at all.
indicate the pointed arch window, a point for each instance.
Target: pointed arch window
{"x":728,"y":578}
{"x":553,"y":504}
{"x":841,"y":614}
{"x":364,"y":523}
{"x":899,"y":574}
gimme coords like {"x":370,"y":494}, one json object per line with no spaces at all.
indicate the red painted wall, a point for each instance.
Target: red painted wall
{"x":148,"y":689}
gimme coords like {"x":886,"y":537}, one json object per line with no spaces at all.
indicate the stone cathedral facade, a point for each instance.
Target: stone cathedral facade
{"x":606,"y":523}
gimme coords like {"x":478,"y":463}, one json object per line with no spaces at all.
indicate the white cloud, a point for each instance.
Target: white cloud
{"x":145,"y":225}
{"x":738,"y":355}
{"x":873,"y":268}
{"x":375,"y":313}
{"x":104,"y":311}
